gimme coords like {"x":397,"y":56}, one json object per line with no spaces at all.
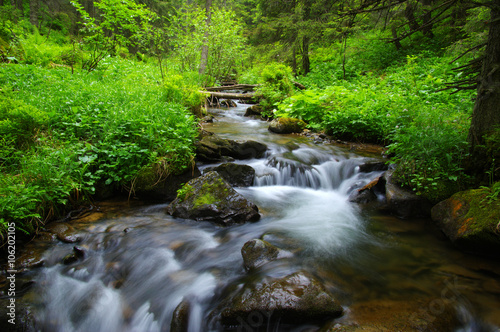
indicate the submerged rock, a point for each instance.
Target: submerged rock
{"x":237,"y":175}
{"x":287,"y":126}
{"x":293,"y":299}
{"x":471,"y":221}
{"x":209,"y":197}
{"x":258,"y":252}
{"x":406,"y":315}
{"x":214,"y":148}
{"x":64,"y":232}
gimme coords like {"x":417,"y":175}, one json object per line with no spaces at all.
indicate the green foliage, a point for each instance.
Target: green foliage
{"x":426,"y":128}
{"x":19,"y":122}
{"x":183,"y":89}
{"x":104,"y":128}
{"x":275,"y":85}
{"x":188,"y":33}
{"x":120,"y":23}
{"x":38,"y":50}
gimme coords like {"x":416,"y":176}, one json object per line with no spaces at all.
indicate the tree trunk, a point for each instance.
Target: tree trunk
{"x":306,"y":64}
{"x":397,"y":43}
{"x":410,"y":16}
{"x":34,"y":6}
{"x":204,"y":49}
{"x":486,"y":114}
{"x":426,"y":25}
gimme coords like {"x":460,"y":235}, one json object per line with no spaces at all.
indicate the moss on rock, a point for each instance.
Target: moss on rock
{"x":287,"y":126}
{"x":471,"y":219}
{"x":210,"y":197}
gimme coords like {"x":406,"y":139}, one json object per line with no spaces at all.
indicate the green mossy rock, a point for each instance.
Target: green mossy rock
{"x":293,"y":299}
{"x":287,"y":126}
{"x":211,"y":198}
{"x":471,"y":220}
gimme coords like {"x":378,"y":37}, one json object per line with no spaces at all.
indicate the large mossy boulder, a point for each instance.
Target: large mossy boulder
{"x":214,"y":148}
{"x":471,"y":220}
{"x":294,"y":299}
{"x":235,"y":174}
{"x":209,"y":197}
{"x":257,"y":252}
{"x":287,"y":126}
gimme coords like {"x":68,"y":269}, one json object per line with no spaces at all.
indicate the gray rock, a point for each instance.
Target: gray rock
{"x":237,"y":175}
{"x":214,"y":148}
{"x":293,"y":299}
{"x":258,"y":252}
{"x":403,"y":202}
{"x":209,"y":197}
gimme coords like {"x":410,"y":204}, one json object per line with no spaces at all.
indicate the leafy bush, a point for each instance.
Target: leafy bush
{"x":276,"y":85}
{"x":20,"y":122}
{"x":183,"y":89}
{"x":105,"y":128}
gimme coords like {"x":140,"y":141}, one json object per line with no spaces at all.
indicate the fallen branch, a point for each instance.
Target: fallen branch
{"x":226,"y":95}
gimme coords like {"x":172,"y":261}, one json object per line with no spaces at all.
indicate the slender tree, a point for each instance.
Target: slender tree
{"x":204,"y":49}
{"x":34,"y":8}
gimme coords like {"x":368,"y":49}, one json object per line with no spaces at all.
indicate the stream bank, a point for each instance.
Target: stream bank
{"x":140,"y":264}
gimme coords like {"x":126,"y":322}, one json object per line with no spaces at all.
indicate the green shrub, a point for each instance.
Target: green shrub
{"x":184,"y":90}
{"x":276,"y":85}
{"x":112,"y":127}
{"x":20,"y":122}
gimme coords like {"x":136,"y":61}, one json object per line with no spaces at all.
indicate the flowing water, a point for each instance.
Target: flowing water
{"x":140,"y":263}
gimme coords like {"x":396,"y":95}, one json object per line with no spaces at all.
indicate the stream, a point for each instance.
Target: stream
{"x":140,"y":263}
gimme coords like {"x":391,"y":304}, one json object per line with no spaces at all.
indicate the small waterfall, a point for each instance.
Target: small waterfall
{"x":323,"y":172}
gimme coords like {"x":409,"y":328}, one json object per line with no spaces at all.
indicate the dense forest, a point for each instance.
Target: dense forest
{"x":105,"y":95}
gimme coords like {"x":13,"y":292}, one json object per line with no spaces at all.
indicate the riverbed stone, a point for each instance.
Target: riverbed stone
{"x":214,"y":148}
{"x":209,"y":197}
{"x":180,"y":317}
{"x":64,"y":232}
{"x":256,"y":111}
{"x":471,"y":220}
{"x":412,"y":315}
{"x":237,"y":175}
{"x":257,"y":252}
{"x":294,"y":299}
{"x":287,"y":126}
{"x":403,"y":202}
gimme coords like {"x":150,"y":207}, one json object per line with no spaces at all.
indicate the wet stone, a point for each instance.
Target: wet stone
{"x":294,"y":299}
{"x":257,"y":253}
{"x":64,"y":232}
{"x":211,"y":198}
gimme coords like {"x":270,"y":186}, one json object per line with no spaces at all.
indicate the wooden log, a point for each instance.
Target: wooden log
{"x":233,"y":87}
{"x":226,"y":95}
